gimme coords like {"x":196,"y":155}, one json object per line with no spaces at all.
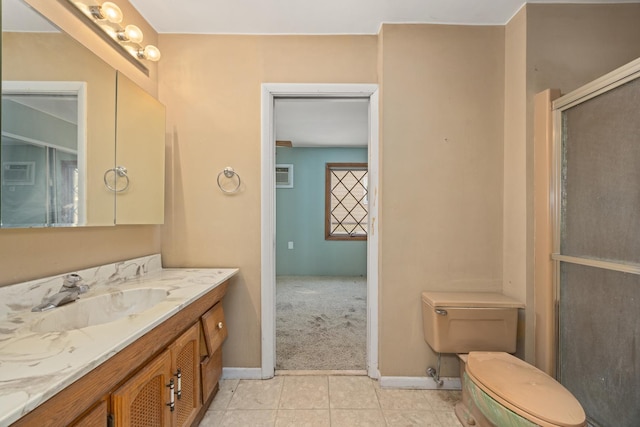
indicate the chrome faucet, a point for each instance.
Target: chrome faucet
{"x":72,"y":287}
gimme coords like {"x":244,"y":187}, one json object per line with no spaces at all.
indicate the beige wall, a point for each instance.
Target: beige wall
{"x":211,"y":87}
{"x":457,"y":122}
{"x":27,"y":254}
{"x":566,"y":46}
{"x":441,"y":178}
{"x":448,"y":239}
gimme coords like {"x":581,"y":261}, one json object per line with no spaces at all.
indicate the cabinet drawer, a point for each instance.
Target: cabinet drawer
{"x":210,"y":370}
{"x":214,"y":328}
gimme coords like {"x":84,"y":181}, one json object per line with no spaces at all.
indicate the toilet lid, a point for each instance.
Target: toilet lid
{"x":470,"y":300}
{"x":524,"y":389}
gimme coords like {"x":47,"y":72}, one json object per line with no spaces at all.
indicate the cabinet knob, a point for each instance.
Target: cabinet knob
{"x":220,"y":325}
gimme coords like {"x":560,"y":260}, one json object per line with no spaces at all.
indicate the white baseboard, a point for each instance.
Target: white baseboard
{"x":420,"y":383}
{"x":241,"y":373}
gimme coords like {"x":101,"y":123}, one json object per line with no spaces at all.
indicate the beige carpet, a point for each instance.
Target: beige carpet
{"x":321,"y":323}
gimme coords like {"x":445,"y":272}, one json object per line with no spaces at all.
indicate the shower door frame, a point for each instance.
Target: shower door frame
{"x":610,"y":81}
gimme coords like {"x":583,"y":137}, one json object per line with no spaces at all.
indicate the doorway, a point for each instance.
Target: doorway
{"x":270,"y":92}
{"x":321,"y":232}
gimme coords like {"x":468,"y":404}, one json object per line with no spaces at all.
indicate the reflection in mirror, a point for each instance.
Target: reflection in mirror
{"x":58,"y":126}
{"x":43,"y":162}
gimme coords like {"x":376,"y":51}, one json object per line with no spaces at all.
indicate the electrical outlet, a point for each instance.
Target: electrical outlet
{"x":290,"y":245}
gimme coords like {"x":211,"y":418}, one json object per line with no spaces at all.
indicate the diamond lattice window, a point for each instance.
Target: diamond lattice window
{"x":346,"y":216}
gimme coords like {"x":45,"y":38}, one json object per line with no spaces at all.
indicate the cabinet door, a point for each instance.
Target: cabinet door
{"x":144,"y":400}
{"x":185,"y":355}
{"x":140,"y":146}
{"x":210,"y":370}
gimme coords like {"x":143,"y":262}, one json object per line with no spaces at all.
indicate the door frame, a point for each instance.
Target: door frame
{"x":270,"y":91}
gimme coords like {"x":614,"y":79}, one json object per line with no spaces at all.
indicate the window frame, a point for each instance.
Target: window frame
{"x":328,"y":234}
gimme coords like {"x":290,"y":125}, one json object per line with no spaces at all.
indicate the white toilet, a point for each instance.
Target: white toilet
{"x":498,"y":389}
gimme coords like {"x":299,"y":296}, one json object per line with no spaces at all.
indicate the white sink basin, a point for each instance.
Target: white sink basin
{"x":99,"y":309}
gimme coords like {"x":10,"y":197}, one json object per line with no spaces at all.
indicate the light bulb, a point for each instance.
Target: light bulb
{"x":130,"y":33}
{"x":111,"y":12}
{"x":133,"y":33}
{"x":150,"y":52}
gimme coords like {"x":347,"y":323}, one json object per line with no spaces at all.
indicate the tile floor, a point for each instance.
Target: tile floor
{"x":334,"y":401}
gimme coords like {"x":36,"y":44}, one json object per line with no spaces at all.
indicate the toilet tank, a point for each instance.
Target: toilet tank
{"x":461,"y":322}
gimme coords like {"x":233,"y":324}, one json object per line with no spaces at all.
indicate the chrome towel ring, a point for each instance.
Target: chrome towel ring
{"x":229,"y":173}
{"x":120,"y":171}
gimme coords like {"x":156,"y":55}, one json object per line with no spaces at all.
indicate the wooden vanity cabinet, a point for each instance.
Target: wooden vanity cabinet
{"x":130,"y":381}
{"x":166,"y":392}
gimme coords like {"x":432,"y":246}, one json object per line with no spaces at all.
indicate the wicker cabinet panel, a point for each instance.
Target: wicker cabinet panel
{"x":185,"y":360}
{"x":143,"y":401}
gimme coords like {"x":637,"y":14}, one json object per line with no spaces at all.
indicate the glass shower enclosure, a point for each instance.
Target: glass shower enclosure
{"x":597,"y":246}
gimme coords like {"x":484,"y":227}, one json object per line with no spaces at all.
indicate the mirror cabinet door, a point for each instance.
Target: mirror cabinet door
{"x":140,"y":136}
{"x":36,"y":53}
{"x":73,"y":144}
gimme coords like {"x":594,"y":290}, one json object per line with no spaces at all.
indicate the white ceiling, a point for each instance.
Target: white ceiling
{"x":17,"y":16}
{"x":323,"y":17}
{"x":322,"y":122}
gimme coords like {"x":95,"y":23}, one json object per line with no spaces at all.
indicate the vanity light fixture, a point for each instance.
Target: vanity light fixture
{"x":149,"y":52}
{"x":131,"y":33}
{"x":109,"y":11}
{"x":108,"y":17}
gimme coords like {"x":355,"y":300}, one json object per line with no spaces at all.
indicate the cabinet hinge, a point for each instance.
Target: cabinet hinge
{"x":110,"y":421}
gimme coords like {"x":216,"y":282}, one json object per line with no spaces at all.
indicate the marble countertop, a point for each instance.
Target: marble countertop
{"x":34,"y":366}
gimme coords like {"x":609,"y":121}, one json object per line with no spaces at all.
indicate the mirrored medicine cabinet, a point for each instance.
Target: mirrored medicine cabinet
{"x":82,"y":145}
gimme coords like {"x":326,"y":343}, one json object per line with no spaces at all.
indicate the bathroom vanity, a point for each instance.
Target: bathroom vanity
{"x":144,"y":343}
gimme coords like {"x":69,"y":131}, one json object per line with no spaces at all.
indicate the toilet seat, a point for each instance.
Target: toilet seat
{"x":524,"y":389}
